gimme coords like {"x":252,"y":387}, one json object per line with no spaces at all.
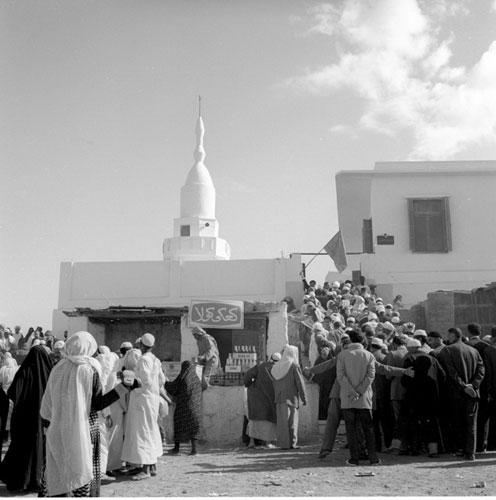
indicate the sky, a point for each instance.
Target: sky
{"x":98,"y":102}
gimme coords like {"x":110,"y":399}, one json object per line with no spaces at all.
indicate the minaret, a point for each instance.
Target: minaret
{"x":196,"y":231}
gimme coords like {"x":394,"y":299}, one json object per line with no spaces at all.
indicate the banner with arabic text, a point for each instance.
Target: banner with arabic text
{"x":217,"y":314}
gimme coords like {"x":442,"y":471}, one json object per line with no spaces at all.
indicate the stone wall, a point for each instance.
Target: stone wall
{"x":443,"y":310}
{"x":223,"y":410}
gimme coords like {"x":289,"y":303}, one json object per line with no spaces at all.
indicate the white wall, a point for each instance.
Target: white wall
{"x":170,"y":283}
{"x":223,"y":410}
{"x":277,"y":331}
{"x":353,"y":198}
{"x":472,"y":261}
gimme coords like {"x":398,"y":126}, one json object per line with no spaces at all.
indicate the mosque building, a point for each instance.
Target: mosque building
{"x":195,"y":283}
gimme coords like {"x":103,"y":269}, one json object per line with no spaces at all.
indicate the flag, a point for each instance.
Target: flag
{"x":335,"y":248}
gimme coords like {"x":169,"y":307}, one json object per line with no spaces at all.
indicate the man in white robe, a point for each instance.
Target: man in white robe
{"x":142,"y":441}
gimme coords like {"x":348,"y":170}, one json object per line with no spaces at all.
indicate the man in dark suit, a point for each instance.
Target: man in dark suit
{"x":465,"y":371}
{"x":486,"y":415}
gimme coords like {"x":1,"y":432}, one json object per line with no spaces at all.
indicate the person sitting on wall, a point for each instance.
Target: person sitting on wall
{"x":208,"y":354}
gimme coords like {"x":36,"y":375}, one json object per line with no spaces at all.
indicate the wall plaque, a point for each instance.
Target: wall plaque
{"x":217,"y":314}
{"x":385,"y":239}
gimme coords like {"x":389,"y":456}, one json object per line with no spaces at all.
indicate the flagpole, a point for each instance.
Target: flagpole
{"x":313,"y":258}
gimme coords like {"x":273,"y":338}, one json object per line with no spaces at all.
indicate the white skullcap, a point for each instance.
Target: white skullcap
{"x":395,"y":319}
{"x":148,"y":340}
{"x":377,"y":342}
{"x":420,"y":333}
{"x":335,"y":284}
{"x":59,"y":344}
{"x":126,"y":345}
{"x":276,"y":356}
{"x":413,"y":343}
{"x":388,"y":326}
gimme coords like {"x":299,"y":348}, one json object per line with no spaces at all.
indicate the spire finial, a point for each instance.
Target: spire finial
{"x":199,"y":153}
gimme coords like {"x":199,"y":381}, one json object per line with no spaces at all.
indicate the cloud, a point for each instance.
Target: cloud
{"x":392,"y":56}
{"x":342,"y":129}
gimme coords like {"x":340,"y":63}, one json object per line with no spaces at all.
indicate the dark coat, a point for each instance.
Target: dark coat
{"x":396,"y":358}
{"x":488,"y":355}
{"x":260,"y":384}
{"x":463,"y":365}
{"x":325,"y":381}
{"x":423,"y":391}
{"x":186,"y":389}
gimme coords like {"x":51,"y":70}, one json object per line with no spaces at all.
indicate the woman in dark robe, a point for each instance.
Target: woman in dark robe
{"x":22,"y":467}
{"x":423,"y":404}
{"x":261,"y":407}
{"x":186,"y":389}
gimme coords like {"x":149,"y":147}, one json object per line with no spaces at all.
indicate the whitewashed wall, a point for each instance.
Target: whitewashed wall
{"x":470,"y":187}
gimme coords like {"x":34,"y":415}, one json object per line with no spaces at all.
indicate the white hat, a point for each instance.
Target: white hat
{"x":413,"y":343}
{"x":59,"y":344}
{"x":420,"y":333}
{"x":276,"y":356}
{"x":126,"y":345}
{"x":350,"y":319}
{"x":395,"y":320}
{"x":377,"y":342}
{"x":335,"y":284}
{"x":388,"y":326}
{"x":148,"y":340}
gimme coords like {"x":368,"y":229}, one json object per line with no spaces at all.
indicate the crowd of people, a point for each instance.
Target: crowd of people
{"x":398,"y":389}
{"x":78,"y":410}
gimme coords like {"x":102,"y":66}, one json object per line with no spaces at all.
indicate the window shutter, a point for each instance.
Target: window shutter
{"x":447,"y":226}
{"x":411,"y":217}
{"x":367,"y":236}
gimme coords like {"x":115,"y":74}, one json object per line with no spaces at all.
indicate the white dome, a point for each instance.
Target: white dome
{"x":199,"y":174}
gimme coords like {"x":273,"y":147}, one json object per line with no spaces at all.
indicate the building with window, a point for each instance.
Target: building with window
{"x":416,"y":227}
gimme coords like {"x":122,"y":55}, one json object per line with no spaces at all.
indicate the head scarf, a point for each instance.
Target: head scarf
{"x":131,"y":359}
{"x":80,"y":348}
{"x":9,"y":361}
{"x":8,"y":371}
{"x":66,"y":404}
{"x":108,"y":361}
{"x":289,"y":357}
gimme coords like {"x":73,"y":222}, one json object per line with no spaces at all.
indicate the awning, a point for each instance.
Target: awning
{"x":123,"y":312}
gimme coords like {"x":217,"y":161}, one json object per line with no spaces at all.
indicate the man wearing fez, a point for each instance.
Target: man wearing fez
{"x":208,"y":353}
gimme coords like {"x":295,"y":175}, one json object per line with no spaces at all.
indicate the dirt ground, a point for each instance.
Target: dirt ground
{"x":242,"y":472}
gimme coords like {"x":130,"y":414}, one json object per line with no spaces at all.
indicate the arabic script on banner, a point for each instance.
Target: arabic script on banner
{"x":218,"y":314}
